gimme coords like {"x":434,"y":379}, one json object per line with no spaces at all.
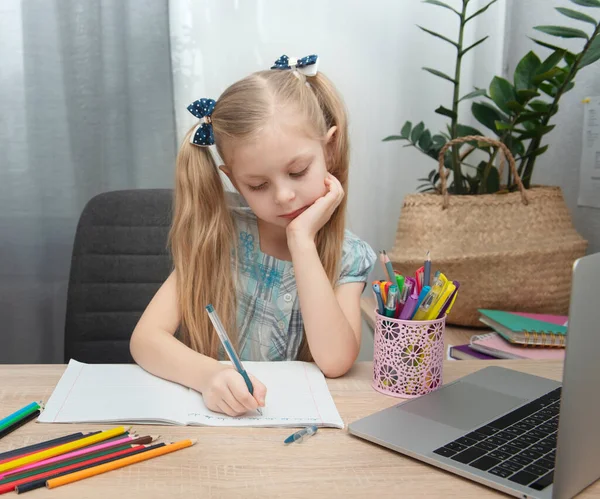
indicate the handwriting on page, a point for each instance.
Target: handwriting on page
{"x":250,"y":418}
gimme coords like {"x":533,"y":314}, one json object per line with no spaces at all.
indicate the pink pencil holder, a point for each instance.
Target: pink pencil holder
{"x":408,"y":356}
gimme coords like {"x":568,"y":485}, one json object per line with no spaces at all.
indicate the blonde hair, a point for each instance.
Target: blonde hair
{"x":202,"y":237}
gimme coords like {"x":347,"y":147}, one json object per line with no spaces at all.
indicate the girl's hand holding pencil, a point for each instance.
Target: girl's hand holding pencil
{"x":226,"y":392}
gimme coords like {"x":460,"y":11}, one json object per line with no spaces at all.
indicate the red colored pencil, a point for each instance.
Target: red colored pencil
{"x":10,"y":486}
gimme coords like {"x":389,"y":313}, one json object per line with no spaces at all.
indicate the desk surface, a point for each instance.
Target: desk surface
{"x":253,"y":462}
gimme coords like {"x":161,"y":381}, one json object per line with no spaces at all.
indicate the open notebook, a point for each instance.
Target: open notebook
{"x":297,"y":395}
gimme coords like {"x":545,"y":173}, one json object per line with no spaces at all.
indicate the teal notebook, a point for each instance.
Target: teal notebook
{"x":524,"y":330}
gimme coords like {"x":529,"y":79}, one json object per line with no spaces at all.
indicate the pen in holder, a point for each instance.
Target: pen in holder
{"x":408,"y":356}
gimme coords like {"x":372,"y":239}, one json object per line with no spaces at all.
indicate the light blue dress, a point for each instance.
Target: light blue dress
{"x":268,"y":309}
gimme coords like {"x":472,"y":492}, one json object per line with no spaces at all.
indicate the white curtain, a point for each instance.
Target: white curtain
{"x":87,"y":107}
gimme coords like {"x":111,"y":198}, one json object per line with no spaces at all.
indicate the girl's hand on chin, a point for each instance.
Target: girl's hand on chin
{"x":306,"y":225}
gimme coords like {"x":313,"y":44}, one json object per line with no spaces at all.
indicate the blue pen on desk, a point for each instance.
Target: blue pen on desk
{"x":301,"y":434}
{"x":237,"y":363}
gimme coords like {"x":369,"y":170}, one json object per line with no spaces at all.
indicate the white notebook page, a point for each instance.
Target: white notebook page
{"x":297,"y":395}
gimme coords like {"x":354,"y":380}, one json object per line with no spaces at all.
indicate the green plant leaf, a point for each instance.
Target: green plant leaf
{"x":587,"y":3}
{"x":524,"y":96}
{"x":551,"y":61}
{"x":569,"y":86}
{"x":548,"y":75}
{"x":514,"y":106}
{"x":464,"y":130}
{"x":545,"y":44}
{"x":548,"y":89}
{"x":480,"y":11}
{"x":425,"y":141}
{"x":540,"y":106}
{"x":464,"y":51}
{"x":492,"y":182}
{"x":562,"y":31}
{"x":537,"y":132}
{"x":442,"y":4}
{"x":405,"y":132}
{"x":486,"y":114}
{"x":516,"y":146}
{"x":440,"y":74}
{"x":475,"y":93}
{"x":416,"y":132}
{"x":529,"y":116}
{"x":537,"y":152}
{"x":559,"y":76}
{"x":501,"y":91}
{"x":438,"y":141}
{"x":573,"y":14}
{"x":437,"y":35}
{"x":570,"y":58}
{"x":393,"y":137}
{"x":592,"y":54}
{"x":501,"y":125}
{"x":446,"y":112}
{"x":526,"y":70}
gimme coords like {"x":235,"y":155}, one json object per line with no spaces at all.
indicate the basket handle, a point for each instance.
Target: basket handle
{"x":480,"y":138}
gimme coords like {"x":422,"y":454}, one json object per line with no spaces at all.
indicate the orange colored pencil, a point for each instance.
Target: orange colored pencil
{"x":61,"y":449}
{"x":120,"y":463}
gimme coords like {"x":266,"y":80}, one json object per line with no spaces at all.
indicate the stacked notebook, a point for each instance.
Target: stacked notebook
{"x":516,"y":335}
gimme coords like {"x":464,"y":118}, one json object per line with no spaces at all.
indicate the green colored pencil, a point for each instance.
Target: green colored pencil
{"x":61,"y":464}
{"x":31,"y":408}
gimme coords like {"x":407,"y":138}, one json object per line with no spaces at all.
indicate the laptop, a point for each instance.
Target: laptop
{"x":501,"y":427}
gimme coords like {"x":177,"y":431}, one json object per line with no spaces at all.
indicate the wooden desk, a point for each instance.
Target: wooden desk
{"x":253,"y":462}
{"x":453,"y":335}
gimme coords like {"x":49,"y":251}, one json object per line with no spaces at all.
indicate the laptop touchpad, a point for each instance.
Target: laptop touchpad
{"x":462,"y":405}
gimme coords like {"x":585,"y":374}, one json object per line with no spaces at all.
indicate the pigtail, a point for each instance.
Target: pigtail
{"x":201,"y":240}
{"x":329,"y":240}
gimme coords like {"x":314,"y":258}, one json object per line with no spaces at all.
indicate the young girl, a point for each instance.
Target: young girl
{"x":276,"y":262}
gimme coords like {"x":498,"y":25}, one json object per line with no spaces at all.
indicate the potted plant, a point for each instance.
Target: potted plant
{"x":497,"y":227}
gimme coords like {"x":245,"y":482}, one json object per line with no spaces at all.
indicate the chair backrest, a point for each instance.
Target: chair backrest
{"x":119,"y":261}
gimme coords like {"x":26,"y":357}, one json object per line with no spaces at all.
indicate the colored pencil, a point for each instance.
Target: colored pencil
{"x":40,"y":478}
{"x":30,"y":449}
{"x":16,"y":414}
{"x":86,"y":451}
{"x":387,"y":264}
{"x":32,"y":474}
{"x":120,"y":463}
{"x":19,"y":423}
{"x":61,"y":449}
{"x":20,"y":414}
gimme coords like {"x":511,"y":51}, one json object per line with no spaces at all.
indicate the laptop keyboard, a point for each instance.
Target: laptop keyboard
{"x":520,"y":446}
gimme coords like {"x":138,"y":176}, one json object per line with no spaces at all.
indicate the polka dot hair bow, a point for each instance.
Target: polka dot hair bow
{"x":307,"y":65}
{"x":203,"y":134}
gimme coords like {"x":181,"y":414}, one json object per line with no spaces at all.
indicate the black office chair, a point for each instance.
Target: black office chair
{"x":119,"y":261}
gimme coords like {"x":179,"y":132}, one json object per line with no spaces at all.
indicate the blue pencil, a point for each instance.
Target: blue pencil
{"x":388,"y":265}
{"x":19,"y":412}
